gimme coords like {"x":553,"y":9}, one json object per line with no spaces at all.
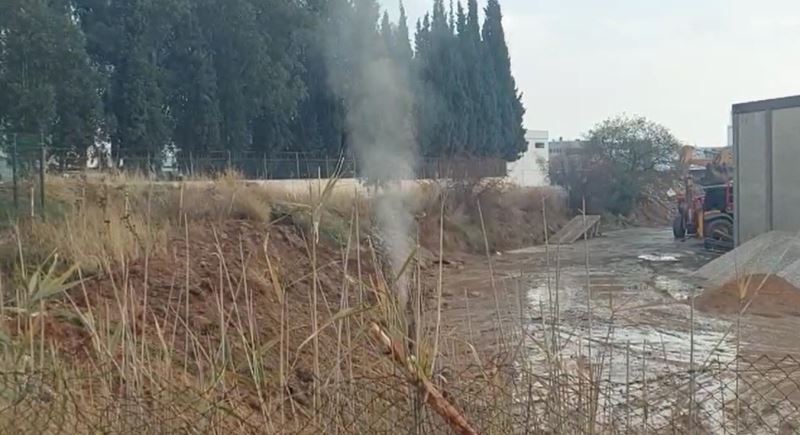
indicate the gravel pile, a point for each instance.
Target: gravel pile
{"x":776,"y":252}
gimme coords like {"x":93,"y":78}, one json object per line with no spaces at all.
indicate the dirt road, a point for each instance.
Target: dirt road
{"x":638,"y":281}
{"x":620,"y":304}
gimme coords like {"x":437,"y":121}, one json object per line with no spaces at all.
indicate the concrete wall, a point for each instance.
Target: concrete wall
{"x":786,"y":169}
{"x":766,"y":136}
{"x":751,"y":176}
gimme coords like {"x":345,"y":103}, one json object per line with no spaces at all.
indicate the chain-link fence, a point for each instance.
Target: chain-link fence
{"x":22,"y":172}
{"x":23,"y":152}
{"x":743,"y":396}
{"x":297,"y":165}
{"x":25,"y":162}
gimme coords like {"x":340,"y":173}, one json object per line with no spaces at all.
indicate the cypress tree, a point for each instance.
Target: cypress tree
{"x":279,"y":85}
{"x":474,"y":112}
{"x":439,"y":68}
{"x":194,"y":99}
{"x":138,"y":98}
{"x":402,"y":52}
{"x":507,"y":106}
{"x":204,"y":75}
{"x":318,"y":125}
{"x":424,"y":103}
{"x":47,"y":85}
{"x":387,"y":34}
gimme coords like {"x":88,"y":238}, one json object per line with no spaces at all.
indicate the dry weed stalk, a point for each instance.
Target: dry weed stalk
{"x":242,"y":378}
{"x":433,"y":397}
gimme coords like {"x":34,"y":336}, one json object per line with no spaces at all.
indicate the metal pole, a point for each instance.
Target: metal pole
{"x":14,"y":185}
{"x":191,"y":165}
{"x":691,"y":363}
{"x":42,"y":169}
{"x":266,"y":172}
{"x":297,"y":162}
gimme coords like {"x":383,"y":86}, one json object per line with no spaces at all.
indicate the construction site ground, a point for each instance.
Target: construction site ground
{"x":637,"y":316}
{"x":641,"y":275}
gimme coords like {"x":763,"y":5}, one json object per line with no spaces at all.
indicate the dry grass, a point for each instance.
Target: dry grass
{"x":223,"y":307}
{"x":121,"y":218}
{"x":512,"y":214}
{"x":187,"y":308}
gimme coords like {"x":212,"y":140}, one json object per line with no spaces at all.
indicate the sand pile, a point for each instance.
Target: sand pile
{"x":767,"y":295}
{"x":776,"y":253}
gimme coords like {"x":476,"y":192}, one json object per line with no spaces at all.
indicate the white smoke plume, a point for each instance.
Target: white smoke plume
{"x":378,"y":101}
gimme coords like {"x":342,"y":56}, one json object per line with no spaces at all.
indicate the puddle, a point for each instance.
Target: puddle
{"x":541,"y":299}
{"x":538,"y":297}
{"x":665,"y":345}
{"x":675,"y":288}
{"x":644,"y":348}
{"x":659,"y":258}
{"x":639,"y":362}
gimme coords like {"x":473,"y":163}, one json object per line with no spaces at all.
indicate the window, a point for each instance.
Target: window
{"x":539,"y":145}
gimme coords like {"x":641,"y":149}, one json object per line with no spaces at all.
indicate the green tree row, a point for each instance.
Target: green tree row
{"x":246,"y":75}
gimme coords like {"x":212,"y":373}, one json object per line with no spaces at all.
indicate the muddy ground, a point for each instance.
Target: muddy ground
{"x":633,"y":308}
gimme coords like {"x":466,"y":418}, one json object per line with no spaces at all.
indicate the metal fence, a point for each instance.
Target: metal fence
{"x":21,"y":153}
{"x":750,"y":396}
{"x":22,"y":174}
{"x":24,"y":164}
{"x":300,"y":165}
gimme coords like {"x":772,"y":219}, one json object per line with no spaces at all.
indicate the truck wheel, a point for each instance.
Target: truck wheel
{"x":720,"y":230}
{"x":678,"y":227}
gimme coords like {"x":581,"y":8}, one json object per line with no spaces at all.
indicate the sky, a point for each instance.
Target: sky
{"x":680,"y":63}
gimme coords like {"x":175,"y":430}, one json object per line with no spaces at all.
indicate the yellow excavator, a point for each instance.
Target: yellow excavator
{"x":720,"y":166}
{"x":705,"y":207}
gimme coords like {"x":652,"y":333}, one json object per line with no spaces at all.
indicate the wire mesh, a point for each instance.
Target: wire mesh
{"x":745,"y":396}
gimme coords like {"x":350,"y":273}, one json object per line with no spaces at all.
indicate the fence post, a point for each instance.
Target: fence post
{"x":14,"y":185}
{"x":266,"y":172}
{"x":297,"y":163}
{"x":691,"y":364}
{"x":191,"y":165}
{"x":42,"y":169}
{"x":229,"y":161}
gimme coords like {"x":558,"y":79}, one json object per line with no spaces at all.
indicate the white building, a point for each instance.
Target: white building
{"x":561,"y":147}
{"x":531,"y":168}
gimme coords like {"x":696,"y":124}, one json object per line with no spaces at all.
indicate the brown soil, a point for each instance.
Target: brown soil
{"x":762,"y":295}
{"x":222,"y":261}
{"x":228,"y":270}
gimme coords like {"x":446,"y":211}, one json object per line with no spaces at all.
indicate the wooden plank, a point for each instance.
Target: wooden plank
{"x":576,"y":229}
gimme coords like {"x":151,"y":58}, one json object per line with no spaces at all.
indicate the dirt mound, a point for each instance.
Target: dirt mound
{"x":513,"y":216}
{"x":764,"y":295}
